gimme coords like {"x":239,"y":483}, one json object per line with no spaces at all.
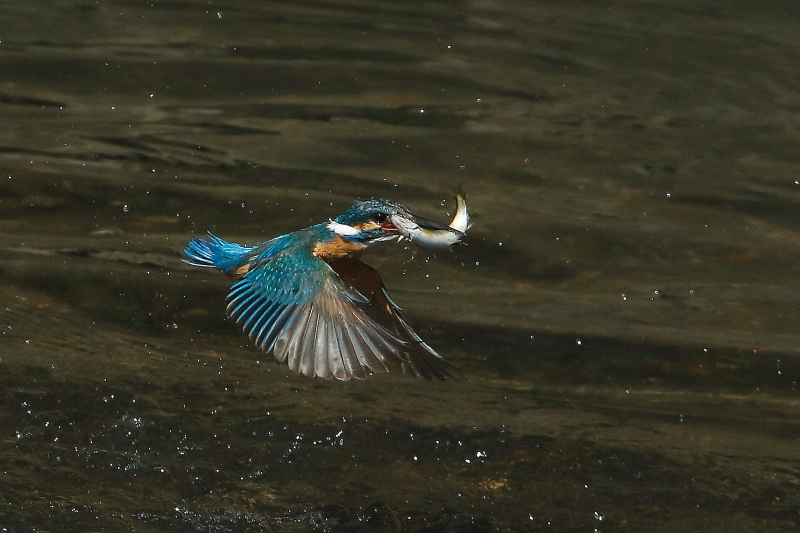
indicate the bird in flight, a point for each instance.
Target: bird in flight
{"x":307,"y":298}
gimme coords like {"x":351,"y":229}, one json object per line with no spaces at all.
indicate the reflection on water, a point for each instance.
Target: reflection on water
{"x":624,"y":312}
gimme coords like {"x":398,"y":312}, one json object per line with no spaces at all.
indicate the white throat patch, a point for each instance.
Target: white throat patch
{"x":342,"y":229}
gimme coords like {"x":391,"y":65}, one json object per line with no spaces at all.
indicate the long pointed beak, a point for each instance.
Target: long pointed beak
{"x":428,"y":224}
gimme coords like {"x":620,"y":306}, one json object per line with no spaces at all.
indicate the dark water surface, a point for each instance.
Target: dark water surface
{"x":625,"y":311}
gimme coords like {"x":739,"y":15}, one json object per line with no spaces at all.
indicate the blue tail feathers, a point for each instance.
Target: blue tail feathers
{"x":216,"y":253}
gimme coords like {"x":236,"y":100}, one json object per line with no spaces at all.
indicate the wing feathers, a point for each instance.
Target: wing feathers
{"x":346,"y":327}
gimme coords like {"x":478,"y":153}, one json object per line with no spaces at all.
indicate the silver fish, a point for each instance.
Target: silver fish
{"x":430,"y":234}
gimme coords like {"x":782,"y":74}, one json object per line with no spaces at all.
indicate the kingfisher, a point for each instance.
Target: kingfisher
{"x":308,"y":299}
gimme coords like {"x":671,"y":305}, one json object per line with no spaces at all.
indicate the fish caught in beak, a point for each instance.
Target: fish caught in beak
{"x":430,"y":234}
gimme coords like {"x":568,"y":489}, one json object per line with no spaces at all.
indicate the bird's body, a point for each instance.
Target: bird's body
{"x":307,"y":297}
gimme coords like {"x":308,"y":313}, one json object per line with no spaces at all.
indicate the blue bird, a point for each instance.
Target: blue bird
{"x":307,"y":297}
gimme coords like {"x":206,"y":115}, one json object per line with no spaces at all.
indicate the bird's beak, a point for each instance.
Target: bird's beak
{"x":427,"y":224}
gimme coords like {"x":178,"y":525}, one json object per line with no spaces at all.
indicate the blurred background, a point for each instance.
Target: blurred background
{"x":624,"y":309}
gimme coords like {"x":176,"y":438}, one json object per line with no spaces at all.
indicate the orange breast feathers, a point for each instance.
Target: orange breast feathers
{"x":337,"y":247}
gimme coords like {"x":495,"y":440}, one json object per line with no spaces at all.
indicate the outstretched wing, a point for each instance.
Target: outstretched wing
{"x":329,"y":319}
{"x":415,"y":356}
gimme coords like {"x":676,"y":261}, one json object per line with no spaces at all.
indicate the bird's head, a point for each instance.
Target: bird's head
{"x":379,"y":220}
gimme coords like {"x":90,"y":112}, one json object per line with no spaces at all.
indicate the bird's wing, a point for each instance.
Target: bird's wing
{"x":328,"y":319}
{"x":415,"y":356}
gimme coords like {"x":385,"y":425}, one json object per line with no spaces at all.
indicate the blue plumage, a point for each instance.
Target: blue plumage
{"x":217,"y":253}
{"x":309,"y":300}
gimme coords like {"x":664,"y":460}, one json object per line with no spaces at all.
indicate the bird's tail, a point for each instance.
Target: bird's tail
{"x":216,"y":253}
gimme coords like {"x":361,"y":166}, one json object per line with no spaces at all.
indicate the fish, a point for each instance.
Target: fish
{"x":429,"y":234}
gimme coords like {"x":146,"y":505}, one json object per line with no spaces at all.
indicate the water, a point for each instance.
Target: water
{"x":625,"y":310}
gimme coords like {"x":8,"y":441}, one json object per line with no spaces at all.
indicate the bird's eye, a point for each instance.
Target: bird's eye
{"x":379,"y":217}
